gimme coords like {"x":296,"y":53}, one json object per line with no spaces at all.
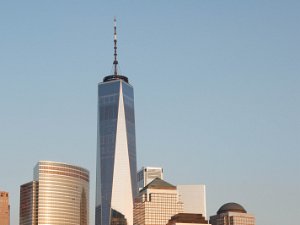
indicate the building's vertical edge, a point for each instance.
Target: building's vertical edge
{"x":98,"y":167}
{"x":128,"y":99}
{"x":204,"y":200}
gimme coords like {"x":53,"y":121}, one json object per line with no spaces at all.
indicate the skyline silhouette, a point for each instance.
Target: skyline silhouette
{"x":216,"y":89}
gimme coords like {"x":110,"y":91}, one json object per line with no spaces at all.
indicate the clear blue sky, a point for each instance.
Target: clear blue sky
{"x":217,"y":93}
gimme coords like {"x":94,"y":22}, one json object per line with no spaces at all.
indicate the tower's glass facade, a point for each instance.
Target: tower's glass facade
{"x":116,"y":184}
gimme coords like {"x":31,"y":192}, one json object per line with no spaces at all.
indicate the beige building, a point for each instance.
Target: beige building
{"x":232,"y":214}
{"x":193,"y":198}
{"x":156,"y":204}
{"x":4,"y":208}
{"x":58,"y":195}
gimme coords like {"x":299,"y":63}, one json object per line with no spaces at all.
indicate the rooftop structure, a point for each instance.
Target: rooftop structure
{"x":147,"y":174}
{"x":232,"y":214}
{"x":187,"y":218}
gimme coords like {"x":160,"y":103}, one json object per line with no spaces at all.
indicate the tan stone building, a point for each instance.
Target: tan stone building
{"x":4,"y":208}
{"x":156,"y":203}
{"x":232,"y":214}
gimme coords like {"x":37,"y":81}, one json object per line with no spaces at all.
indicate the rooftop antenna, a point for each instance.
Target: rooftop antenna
{"x":115,"y":48}
{"x":115,"y":75}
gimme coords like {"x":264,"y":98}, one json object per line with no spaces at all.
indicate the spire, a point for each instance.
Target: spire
{"x":115,"y":48}
{"x":115,"y":75}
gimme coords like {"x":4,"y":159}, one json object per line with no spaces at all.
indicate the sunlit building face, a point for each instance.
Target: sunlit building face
{"x":4,"y":208}
{"x":58,"y":195}
{"x":156,"y":203}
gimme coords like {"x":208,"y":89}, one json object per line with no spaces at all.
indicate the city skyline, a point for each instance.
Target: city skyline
{"x":216,"y":90}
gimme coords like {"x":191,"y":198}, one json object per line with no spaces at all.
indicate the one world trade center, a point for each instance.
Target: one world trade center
{"x":116,"y":184}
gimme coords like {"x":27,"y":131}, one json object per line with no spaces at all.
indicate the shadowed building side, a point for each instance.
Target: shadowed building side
{"x":29,"y":203}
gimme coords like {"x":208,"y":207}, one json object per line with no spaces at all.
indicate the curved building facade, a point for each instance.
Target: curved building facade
{"x":60,"y":195}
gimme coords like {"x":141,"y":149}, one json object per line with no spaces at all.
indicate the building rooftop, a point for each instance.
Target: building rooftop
{"x":115,"y":77}
{"x":158,"y":183}
{"x":187,"y":218}
{"x":231,"y":207}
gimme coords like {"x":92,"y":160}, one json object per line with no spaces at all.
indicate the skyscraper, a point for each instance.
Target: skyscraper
{"x":58,"y":195}
{"x":232,"y":214}
{"x":29,"y":203}
{"x":147,"y":174}
{"x":4,"y":208}
{"x":116,"y":173}
{"x":157,"y":203}
{"x":193,"y":198}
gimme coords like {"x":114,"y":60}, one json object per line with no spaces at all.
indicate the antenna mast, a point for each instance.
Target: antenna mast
{"x":115,"y":48}
{"x":115,"y":75}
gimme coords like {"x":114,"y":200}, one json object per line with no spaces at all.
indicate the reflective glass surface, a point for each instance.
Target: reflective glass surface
{"x":63,"y":194}
{"x":108,"y":109}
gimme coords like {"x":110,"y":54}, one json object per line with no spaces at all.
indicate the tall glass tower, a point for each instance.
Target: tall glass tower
{"x":116,"y":184}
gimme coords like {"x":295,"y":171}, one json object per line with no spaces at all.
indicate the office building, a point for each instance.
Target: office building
{"x":116,"y":183}
{"x":147,"y":174}
{"x":232,"y":214}
{"x":156,"y":203}
{"x":4,"y":208}
{"x":29,"y":203}
{"x":193,"y":198}
{"x":187,"y":219}
{"x":59,"y":194}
